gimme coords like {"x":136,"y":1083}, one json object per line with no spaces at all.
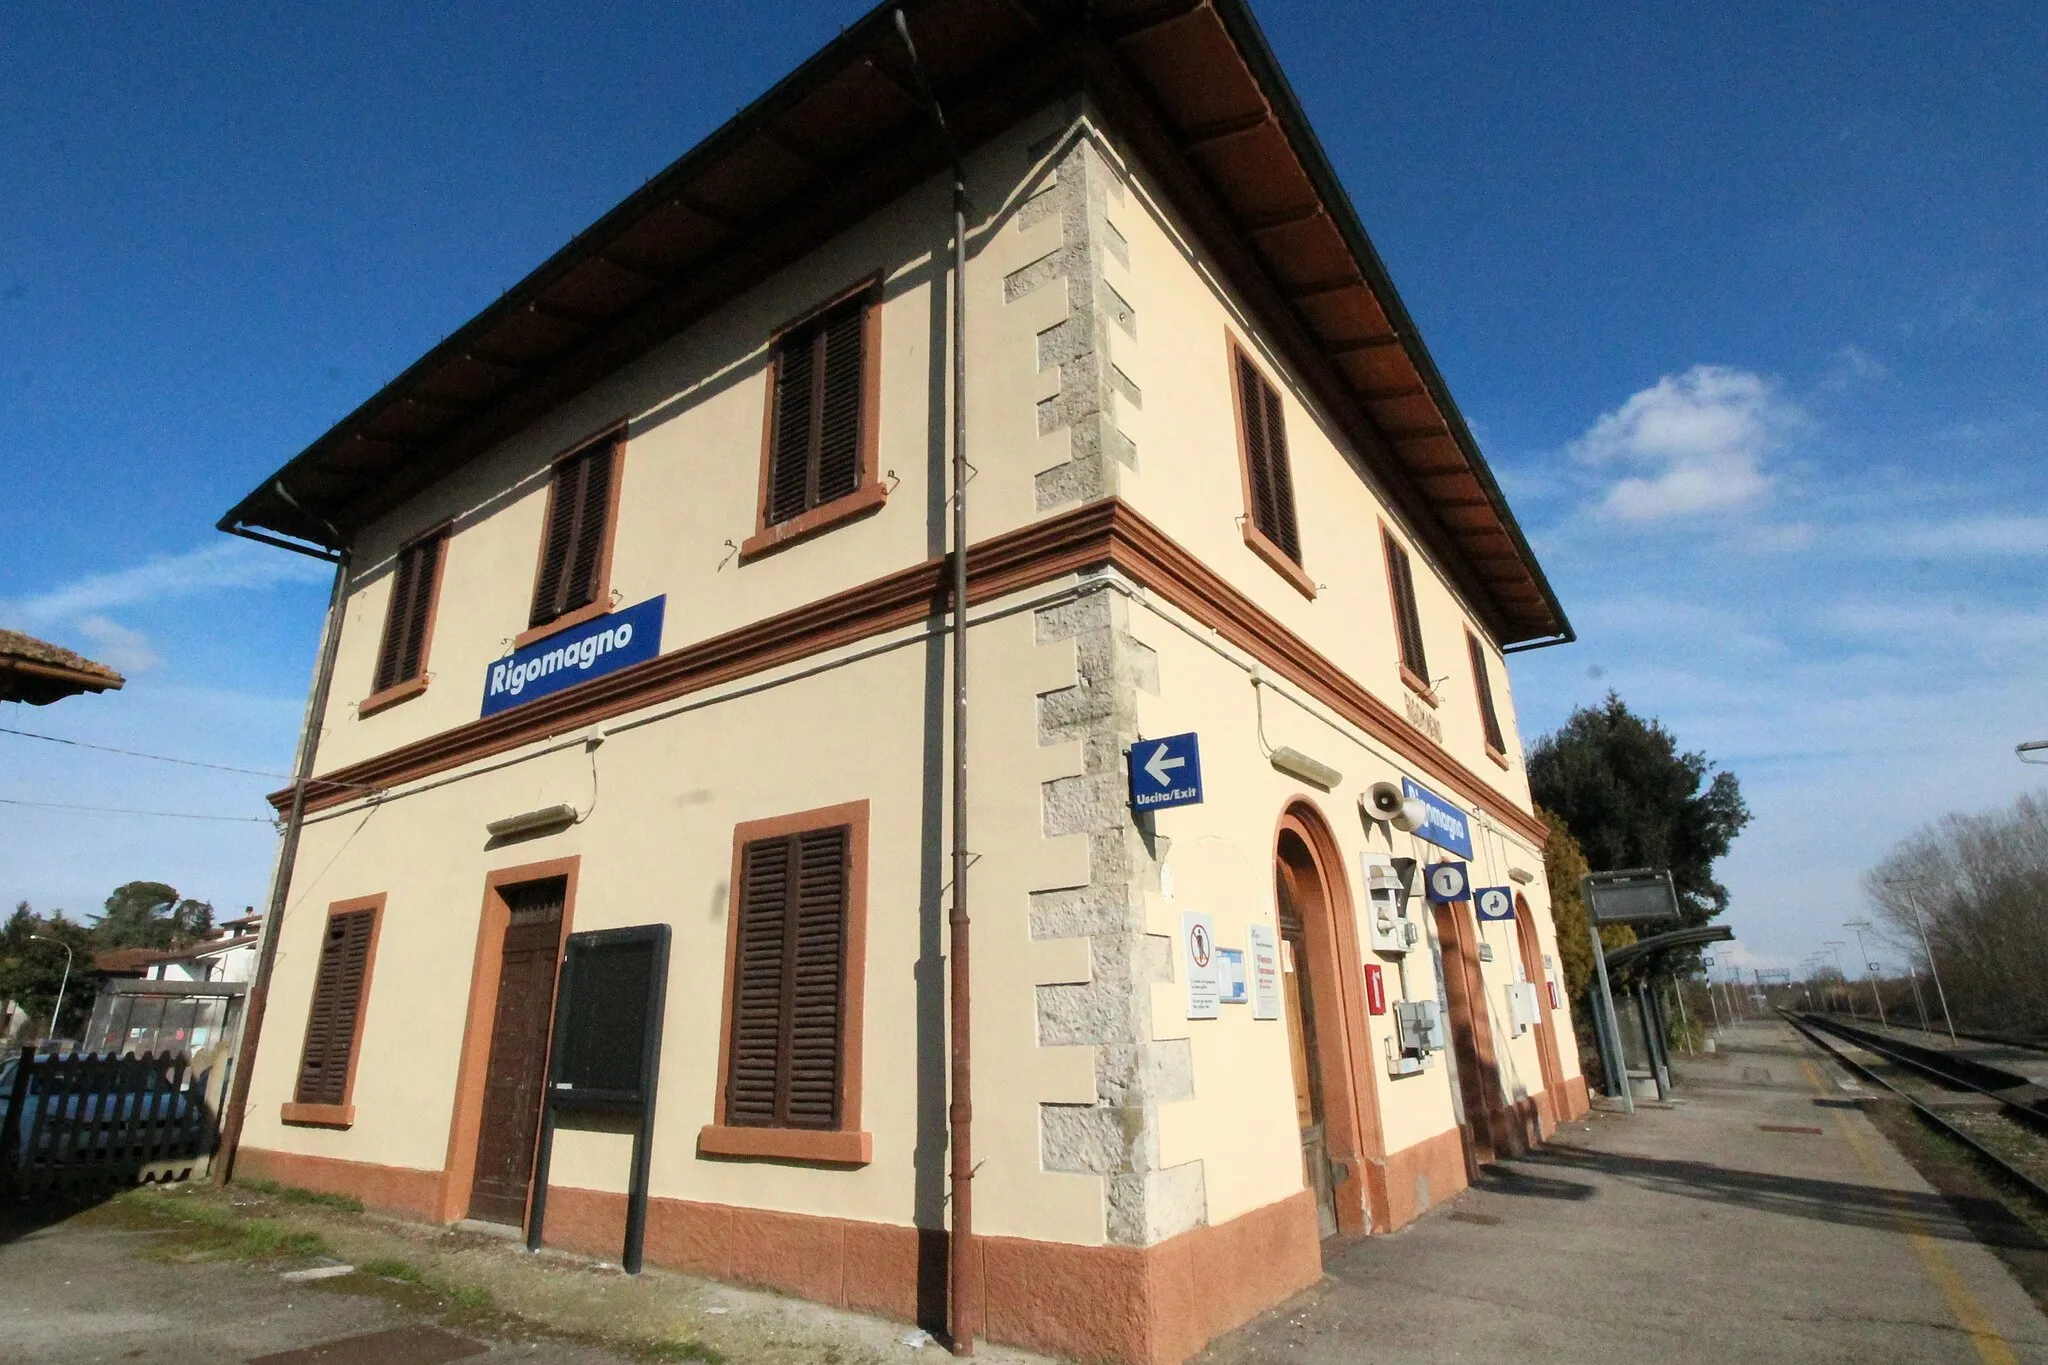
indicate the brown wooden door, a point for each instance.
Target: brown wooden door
{"x":1471,"y":1034}
{"x":519,"y":1053}
{"x":1306,"y":1054}
{"x":1546,"y":1028}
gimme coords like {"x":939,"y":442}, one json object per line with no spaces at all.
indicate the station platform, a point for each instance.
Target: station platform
{"x":2027,"y":1063}
{"x":1759,"y":1217}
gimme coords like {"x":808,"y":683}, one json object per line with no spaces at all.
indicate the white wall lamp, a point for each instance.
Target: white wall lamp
{"x":545,"y":820}
{"x":1295,"y":763}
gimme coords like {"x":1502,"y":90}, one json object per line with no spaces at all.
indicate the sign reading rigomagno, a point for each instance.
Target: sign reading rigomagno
{"x":1444,"y":825}
{"x":601,"y":645}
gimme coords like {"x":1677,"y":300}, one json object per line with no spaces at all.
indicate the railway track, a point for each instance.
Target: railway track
{"x":1960,"y":1098}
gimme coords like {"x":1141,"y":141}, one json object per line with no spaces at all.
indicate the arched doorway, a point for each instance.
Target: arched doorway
{"x":1546,"y":1027}
{"x":1336,"y":1111}
{"x":1471,"y":1033}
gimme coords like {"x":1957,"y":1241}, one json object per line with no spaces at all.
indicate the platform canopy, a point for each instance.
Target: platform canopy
{"x":38,"y":672}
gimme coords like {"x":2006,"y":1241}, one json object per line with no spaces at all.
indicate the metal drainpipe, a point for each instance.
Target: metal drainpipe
{"x":961,"y":1320}
{"x":281,"y":880}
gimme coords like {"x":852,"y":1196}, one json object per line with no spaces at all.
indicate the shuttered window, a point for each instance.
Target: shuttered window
{"x":1407,"y":620}
{"x":337,"y":1004}
{"x":404,"y":651}
{"x":579,"y":527}
{"x":814,"y":450}
{"x":788,"y":1028}
{"x":1488,"y":717}
{"x":1265,"y":456}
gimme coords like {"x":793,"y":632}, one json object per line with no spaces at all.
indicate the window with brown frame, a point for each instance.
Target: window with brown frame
{"x":818,"y":466}
{"x":1488,"y":717}
{"x":1270,"y":524}
{"x":334,"y":1024}
{"x":415,"y":584}
{"x":575,"y":551}
{"x":1407,"y":619}
{"x":789,"y":1085}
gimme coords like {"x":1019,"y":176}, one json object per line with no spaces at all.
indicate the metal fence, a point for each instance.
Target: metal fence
{"x":74,"y":1122}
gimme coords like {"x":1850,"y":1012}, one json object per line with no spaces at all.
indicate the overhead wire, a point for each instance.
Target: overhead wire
{"x":137,"y":753}
{"x":129,"y":810}
{"x":166,"y":758}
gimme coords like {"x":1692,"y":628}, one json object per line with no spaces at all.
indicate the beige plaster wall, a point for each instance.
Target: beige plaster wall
{"x":1187,"y":480}
{"x":690,"y":483}
{"x":656,"y":846}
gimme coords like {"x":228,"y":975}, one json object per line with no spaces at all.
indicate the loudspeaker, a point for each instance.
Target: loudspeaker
{"x":1382,"y":801}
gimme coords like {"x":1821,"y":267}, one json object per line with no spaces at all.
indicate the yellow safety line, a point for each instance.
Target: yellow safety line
{"x":1991,"y":1347}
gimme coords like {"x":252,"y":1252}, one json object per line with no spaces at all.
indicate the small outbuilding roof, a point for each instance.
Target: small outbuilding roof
{"x":38,"y":672}
{"x":1191,"y":84}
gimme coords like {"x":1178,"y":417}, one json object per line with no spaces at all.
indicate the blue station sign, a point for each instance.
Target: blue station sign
{"x":1494,"y":902}
{"x":1444,"y":883}
{"x":1446,"y":826}
{"x":1165,"y":772}
{"x":601,"y":645}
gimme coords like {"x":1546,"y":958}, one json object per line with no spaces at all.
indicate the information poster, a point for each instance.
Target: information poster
{"x":1201,"y":965}
{"x":1264,"y":970}
{"x":1232,"y":978}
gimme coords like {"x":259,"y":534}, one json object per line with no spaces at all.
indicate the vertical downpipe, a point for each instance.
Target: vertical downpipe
{"x":961,"y":1323}
{"x":281,"y":882}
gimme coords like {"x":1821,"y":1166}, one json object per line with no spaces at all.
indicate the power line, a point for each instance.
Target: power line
{"x":137,"y":753}
{"x":185,"y":762}
{"x":126,"y":810}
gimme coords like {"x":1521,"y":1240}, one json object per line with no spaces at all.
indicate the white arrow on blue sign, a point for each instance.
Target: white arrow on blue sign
{"x":1166,"y":772}
{"x":1448,"y":882}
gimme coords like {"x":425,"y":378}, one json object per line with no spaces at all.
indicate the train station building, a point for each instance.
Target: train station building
{"x":643,"y":618}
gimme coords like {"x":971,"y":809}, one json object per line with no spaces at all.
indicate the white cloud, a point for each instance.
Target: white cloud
{"x":1699,"y":438}
{"x":227,"y":564}
{"x":118,"y":647}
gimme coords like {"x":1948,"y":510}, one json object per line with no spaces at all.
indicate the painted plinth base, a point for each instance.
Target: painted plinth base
{"x":1154,"y":1305}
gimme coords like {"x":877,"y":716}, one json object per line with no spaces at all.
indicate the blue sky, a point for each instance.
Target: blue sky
{"x":1748,"y":309}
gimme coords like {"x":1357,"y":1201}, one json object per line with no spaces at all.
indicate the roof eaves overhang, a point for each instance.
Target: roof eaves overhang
{"x":841,"y":136}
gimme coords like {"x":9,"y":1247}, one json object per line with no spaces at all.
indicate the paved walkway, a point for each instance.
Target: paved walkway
{"x":1762,"y":1218}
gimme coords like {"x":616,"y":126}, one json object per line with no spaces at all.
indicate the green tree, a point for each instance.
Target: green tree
{"x":1563,"y":865}
{"x":1631,"y":799}
{"x":31,"y":969}
{"x":151,"y":915}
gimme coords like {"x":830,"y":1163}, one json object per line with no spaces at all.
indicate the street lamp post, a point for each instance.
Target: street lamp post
{"x":62,"y":981}
{"x":1920,"y":923}
{"x":1859,"y":925}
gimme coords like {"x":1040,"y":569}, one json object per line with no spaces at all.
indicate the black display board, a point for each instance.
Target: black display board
{"x":606,"y":1055}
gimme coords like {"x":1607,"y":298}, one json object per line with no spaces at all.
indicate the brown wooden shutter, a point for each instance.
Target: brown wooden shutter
{"x":337,"y":1002}
{"x":1407,"y":619}
{"x":1265,"y":445}
{"x":579,"y":518}
{"x":412,"y":600}
{"x":1487,"y":715}
{"x":788,"y":1027}
{"x":815,"y":448}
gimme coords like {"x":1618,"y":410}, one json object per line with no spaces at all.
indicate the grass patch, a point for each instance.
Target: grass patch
{"x":405,"y":1272}
{"x":254,"y":1239}
{"x":682,"y":1351}
{"x":469,"y":1298}
{"x":292,"y":1194}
